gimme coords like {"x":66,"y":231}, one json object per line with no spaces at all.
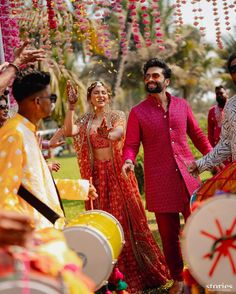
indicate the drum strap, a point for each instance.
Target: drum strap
{"x":41,"y":207}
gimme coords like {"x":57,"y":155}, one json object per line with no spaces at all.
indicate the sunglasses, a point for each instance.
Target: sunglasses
{"x":52,"y":97}
{"x":232,"y":69}
{"x":4,"y":107}
{"x":153,"y":76}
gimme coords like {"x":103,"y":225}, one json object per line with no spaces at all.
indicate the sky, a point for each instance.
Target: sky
{"x":207,"y":13}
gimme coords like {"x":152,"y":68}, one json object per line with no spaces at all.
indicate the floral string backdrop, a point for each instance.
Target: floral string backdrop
{"x":9,"y":27}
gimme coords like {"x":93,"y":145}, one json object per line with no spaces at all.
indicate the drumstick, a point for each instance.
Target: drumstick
{"x":91,"y":200}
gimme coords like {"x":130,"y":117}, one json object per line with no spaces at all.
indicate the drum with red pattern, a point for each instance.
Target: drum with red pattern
{"x":209,"y":243}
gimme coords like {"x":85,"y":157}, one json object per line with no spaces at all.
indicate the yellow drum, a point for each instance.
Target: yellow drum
{"x":98,"y":238}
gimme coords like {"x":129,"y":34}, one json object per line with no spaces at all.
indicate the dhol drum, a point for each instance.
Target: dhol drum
{"x":209,"y":243}
{"x":193,"y":198}
{"x":98,"y":238}
{"x":15,"y":279}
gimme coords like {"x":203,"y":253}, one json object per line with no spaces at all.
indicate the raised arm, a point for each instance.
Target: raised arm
{"x":70,"y":128}
{"x":22,"y":57}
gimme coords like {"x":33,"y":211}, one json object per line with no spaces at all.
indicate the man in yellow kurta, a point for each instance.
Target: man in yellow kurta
{"x":21,"y":160}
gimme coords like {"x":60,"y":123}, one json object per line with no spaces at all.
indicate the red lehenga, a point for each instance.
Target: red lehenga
{"x":141,"y":260}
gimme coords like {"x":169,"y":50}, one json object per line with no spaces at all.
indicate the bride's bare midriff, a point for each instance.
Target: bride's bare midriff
{"x":102,"y":154}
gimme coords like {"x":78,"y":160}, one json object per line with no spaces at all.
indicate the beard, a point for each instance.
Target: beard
{"x":221,"y":101}
{"x":157,"y":89}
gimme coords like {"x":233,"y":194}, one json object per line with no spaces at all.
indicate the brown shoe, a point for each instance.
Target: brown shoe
{"x":177,"y":287}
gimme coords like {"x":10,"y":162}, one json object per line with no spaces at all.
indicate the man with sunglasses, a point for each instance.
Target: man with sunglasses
{"x":161,"y":123}
{"x":21,"y":161}
{"x":226,"y":147}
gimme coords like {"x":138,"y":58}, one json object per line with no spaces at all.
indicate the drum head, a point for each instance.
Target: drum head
{"x":94,"y":250}
{"x":106,"y":224}
{"x":209,"y":244}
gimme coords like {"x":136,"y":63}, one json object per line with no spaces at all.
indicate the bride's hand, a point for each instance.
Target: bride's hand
{"x":104,"y":130}
{"x":72,"y":94}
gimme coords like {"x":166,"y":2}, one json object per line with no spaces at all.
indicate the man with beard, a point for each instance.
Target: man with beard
{"x":227,"y":145}
{"x":216,"y":115}
{"x":161,"y":123}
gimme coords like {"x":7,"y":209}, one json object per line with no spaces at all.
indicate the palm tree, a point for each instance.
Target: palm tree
{"x":229,"y":47}
{"x":191,"y":65}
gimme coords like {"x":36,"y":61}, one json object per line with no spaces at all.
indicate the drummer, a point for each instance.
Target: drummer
{"x":21,"y":160}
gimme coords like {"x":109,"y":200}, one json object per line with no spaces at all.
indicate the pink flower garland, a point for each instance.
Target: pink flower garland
{"x":157,"y":24}
{"x":51,"y":15}
{"x":10,"y":30}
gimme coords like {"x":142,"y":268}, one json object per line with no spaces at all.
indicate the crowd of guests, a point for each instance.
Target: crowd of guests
{"x":106,"y":149}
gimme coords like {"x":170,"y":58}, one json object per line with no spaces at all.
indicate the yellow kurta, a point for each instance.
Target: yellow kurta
{"x":21,"y":162}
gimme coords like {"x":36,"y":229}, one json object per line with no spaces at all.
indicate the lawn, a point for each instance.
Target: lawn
{"x":69,"y":170}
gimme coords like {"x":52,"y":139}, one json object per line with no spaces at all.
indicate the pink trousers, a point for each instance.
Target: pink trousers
{"x":169,"y":229}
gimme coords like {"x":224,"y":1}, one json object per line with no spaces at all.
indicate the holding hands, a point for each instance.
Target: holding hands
{"x":72,"y":95}
{"x":193,"y":169}
{"x":127,"y":167}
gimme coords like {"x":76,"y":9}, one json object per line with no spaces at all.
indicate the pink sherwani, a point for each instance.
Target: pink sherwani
{"x":166,"y":152}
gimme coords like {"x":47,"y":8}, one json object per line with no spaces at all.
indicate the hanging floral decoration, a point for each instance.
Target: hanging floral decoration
{"x":157,"y":25}
{"x":9,"y":27}
{"x":56,"y":25}
{"x":178,"y":18}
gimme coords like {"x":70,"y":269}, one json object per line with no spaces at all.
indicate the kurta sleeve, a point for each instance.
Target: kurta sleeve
{"x":133,"y":138}
{"x":11,"y":169}
{"x":195,"y":133}
{"x":73,"y":189}
{"x":210,"y":127}
{"x":220,"y":152}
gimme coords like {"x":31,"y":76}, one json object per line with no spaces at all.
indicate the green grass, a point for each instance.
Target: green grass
{"x":69,"y":167}
{"x":69,"y":170}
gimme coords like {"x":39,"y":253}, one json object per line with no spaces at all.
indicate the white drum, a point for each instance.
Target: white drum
{"x":98,"y":238}
{"x":209,"y":243}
